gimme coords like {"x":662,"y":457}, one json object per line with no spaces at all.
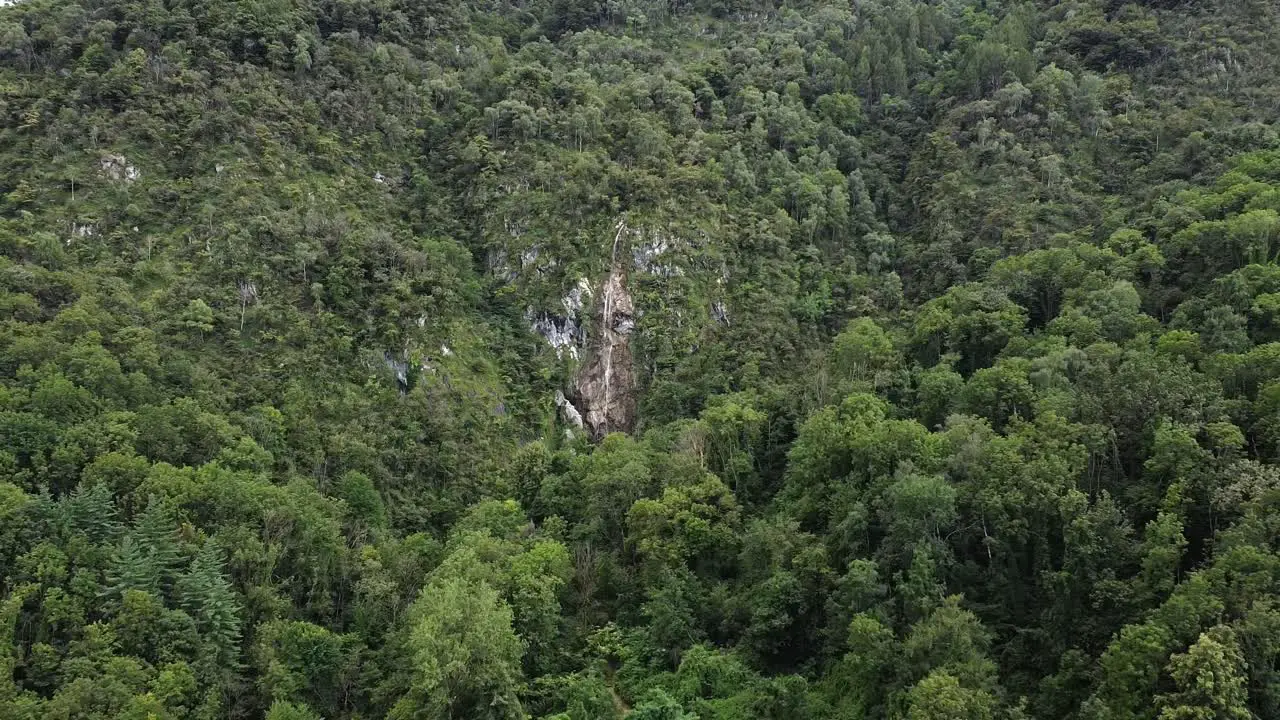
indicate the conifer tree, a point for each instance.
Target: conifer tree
{"x":133,"y":567}
{"x":91,"y":511}
{"x":154,"y":532}
{"x":207,"y":596}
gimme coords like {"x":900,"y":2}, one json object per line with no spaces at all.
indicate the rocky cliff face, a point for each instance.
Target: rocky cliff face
{"x":604,"y":388}
{"x":664,"y":286}
{"x":605,"y":385}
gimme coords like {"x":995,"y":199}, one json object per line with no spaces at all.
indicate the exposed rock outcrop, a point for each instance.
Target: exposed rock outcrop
{"x":561,"y":333}
{"x":500,"y":266}
{"x":81,"y":232}
{"x":605,"y":385}
{"x":568,"y":413}
{"x":564,"y":332}
{"x":399,"y":366}
{"x":720,"y":312}
{"x":117,"y":167}
{"x":651,"y":253}
{"x":594,"y":327}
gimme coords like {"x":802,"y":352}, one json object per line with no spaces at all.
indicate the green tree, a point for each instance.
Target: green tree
{"x":300,"y":661}
{"x":281,"y":710}
{"x":133,"y":567}
{"x":204,"y":592}
{"x":1211,"y":680}
{"x":91,"y":511}
{"x":464,"y":655}
{"x":941,"y":696}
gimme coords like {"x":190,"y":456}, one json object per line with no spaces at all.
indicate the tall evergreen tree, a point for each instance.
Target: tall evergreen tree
{"x":207,"y":596}
{"x":155,"y":531}
{"x":91,"y":511}
{"x":133,"y":567}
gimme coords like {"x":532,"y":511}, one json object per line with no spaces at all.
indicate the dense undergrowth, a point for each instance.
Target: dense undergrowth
{"x":956,"y":344}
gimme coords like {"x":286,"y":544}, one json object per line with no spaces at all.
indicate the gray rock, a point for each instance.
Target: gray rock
{"x":117,"y":167}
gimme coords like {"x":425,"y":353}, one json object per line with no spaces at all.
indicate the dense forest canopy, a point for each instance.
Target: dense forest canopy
{"x":659,"y":359}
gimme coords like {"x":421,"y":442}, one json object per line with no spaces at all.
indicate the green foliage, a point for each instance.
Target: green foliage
{"x":300,"y":661}
{"x":940,"y":696}
{"x":205,"y":594}
{"x":281,"y":710}
{"x":1210,"y":680}
{"x":364,"y":505}
{"x":465,"y":655}
{"x":946,"y":335}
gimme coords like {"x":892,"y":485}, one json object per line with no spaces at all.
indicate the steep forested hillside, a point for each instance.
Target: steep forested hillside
{"x":658,"y":359}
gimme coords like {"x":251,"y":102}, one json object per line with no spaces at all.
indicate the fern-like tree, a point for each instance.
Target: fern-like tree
{"x":207,"y":596}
